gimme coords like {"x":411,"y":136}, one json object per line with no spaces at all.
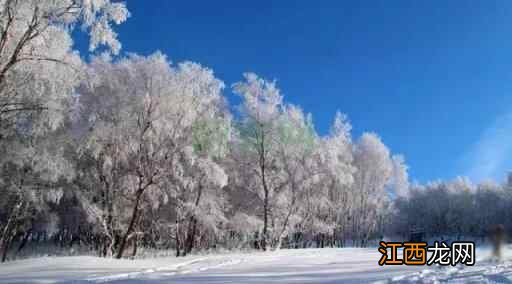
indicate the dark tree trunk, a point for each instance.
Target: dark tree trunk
{"x":131,"y":225}
{"x":135,"y":242}
{"x":265,"y":223}
{"x":105,"y":245}
{"x":9,"y":231}
{"x":262,"y":164}
{"x":178,"y":243}
{"x":24,"y":241}
{"x":5,"y":247}
{"x":264,"y":239}
{"x":189,"y":242}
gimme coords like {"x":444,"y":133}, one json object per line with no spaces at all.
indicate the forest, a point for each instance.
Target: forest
{"x":112,"y":153}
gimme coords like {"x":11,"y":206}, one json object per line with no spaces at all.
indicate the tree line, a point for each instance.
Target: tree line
{"x":456,"y":209}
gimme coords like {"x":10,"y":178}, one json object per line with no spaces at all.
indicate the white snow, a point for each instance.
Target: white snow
{"x":346,"y":265}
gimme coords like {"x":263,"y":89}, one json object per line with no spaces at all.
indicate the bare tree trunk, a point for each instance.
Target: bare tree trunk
{"x":262,"y":164}
{"x":9,"y":230}
{"x":129,"y":230}
{"x":105,"y":246}
{"x":107,"y":215}
{"x":5,"y":239}
{"x":189,"y":243}
{"x":285,"y":225}
{"x":265,"y":219}
{"x":5,"y":247}
{"x":135,"y":243}
{"x":178,"y":243}
{"x":24,"y":241}
{"x":264,"y":239}
{"x":191,"y":234}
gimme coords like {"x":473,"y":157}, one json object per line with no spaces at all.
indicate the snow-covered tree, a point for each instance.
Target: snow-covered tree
{"x":296,"y":148}
{"x":150,"y":128}
{"x":374,"y":168}
{"x":38,"y":68}
{"x":38,"y":74}
{"x":261,"y":109}
{"x":332,"y":195}
{"x":399,"y":182}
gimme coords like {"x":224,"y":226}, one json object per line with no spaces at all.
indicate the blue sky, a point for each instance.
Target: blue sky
{"x":432,"y":78}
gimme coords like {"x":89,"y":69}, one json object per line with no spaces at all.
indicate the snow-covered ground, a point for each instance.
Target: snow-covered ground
{"x":347,"y":265}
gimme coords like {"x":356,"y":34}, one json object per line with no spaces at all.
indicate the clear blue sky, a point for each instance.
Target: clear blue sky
{"x":432,"y":78}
